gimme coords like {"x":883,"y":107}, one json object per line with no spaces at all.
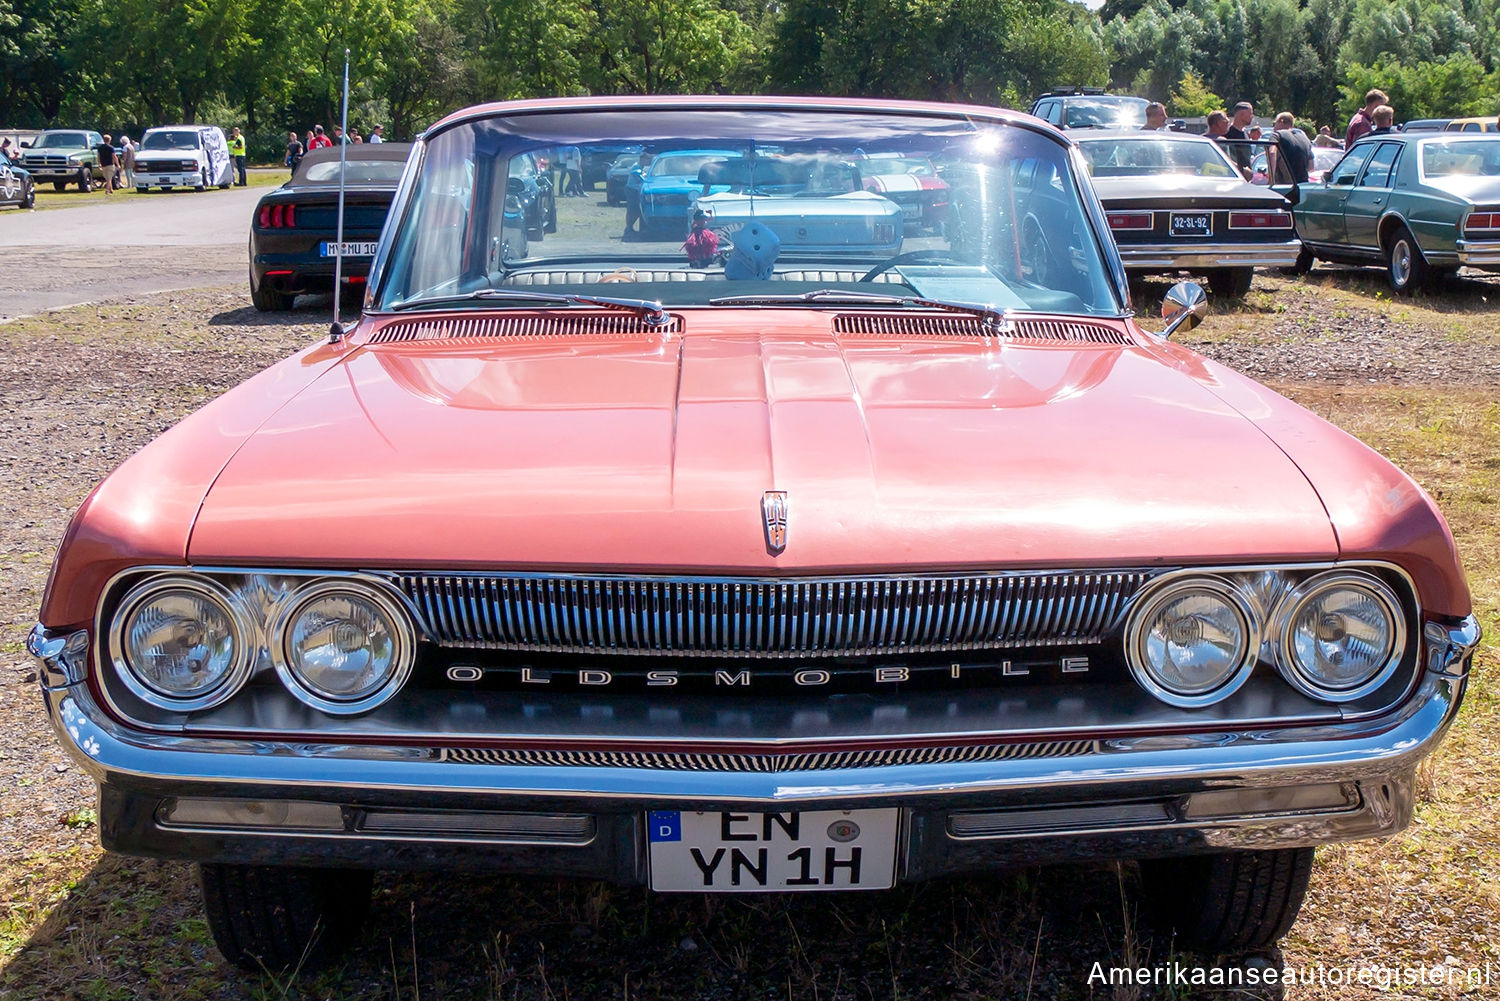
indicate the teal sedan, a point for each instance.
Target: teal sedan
{"x":1420,"y":205}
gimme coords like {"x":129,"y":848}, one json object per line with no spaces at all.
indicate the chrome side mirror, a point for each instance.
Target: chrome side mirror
{"x":1184,"y":308}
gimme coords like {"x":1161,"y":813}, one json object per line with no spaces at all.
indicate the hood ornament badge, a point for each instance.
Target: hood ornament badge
{"x":773,"y":513}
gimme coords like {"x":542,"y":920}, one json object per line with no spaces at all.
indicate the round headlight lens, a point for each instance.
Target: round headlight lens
{"x":343,"y":647}
{"x":1192,"y":643}
{"x":178,"y":643}
{"x":1341,"y":636}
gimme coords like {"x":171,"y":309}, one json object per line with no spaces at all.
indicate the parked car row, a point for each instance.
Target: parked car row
{"x":171,"y":156}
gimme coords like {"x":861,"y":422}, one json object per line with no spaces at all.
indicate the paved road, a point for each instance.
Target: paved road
{"x":131,"y":244}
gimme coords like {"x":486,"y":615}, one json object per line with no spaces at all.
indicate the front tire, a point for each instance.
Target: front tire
{"x":1405,"y":266}
{"x":202,"y":180}
{"x":1230,"y":283}
{"x":85,"y":180}
{"x":276,"y":918}
{"x":28,"y":197}
{"x":1230,"y":902}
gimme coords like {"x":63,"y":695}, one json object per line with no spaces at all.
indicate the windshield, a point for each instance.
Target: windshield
{"x":62,"y":140}
{"x":1119,"y":112}
{"x":171,"y":139}
{"x":1128,"y":156}
{"x":739,"y":202}
{"x":1459,"y":157}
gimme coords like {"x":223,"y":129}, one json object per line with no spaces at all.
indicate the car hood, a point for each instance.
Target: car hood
{"x":1183,"y":191}
{"x":655,"y":452}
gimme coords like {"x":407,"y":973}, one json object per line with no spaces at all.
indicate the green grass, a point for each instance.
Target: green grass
{"x":71,"y":197}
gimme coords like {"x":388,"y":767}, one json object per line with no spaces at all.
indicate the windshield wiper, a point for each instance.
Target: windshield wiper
{"x":993,"y":316}
{"x":649,"y":310}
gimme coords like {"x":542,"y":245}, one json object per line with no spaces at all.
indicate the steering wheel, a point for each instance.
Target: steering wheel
{"x":911,"y":257}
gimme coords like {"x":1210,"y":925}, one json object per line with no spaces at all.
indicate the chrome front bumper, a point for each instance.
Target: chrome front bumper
{"x":1182,"y":256}
{"x":1123,"y":798}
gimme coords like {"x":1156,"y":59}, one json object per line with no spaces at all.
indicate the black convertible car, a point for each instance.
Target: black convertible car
{"x":293,"y":234}
{"x":1175,"y":202}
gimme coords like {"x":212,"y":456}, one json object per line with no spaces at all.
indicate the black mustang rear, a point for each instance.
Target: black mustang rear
{"x":295,"y":229}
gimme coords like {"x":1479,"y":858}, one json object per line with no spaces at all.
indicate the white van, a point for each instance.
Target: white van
{"x":183,"y":156}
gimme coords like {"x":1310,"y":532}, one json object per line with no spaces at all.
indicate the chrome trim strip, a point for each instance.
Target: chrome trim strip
{"x":1210,"y":255}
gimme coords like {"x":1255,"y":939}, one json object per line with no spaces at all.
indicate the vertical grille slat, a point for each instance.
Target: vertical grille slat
{"x":775,"y":618}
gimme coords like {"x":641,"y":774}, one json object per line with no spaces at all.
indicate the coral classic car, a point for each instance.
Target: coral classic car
{"x":64,"y":157}
{"x":294,"y":231}
{"x":1422,"y":205}
{"x":1176,"y":202}
{"x":856,"y":572}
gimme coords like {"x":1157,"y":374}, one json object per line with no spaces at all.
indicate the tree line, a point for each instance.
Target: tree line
{"x":274,"y":65}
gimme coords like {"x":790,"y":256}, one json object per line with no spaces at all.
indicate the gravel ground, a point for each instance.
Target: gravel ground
{"x":85,"y":388}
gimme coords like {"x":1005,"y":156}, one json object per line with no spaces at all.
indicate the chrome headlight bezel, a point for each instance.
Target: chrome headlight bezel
{"x":1144,"y":613}
{"x":403,"y":633}
{"x":1297,"y":598}
{"x":243,"y":631}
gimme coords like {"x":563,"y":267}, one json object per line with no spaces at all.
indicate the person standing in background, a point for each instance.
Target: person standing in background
{"x":1290,"y":154}
{"x":127,"y":160}
{"x":294,"y":151}
{"x":1384,"y":120}
{"x":237,"y":151}
{"x":107,"y":163}
{"x":1237,"y":140}
{"x":377,"y":134}
{"x":319,"y":140}
{"x":1364,"y":119}
{"x":1325,"y":138}
{"x":1156,"y":117}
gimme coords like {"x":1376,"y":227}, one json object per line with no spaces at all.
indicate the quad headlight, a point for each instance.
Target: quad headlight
{"x":1341,"y":636}
{"x":1193,"y":642}
{"x":181,"y":643}
{"x":342,"y":646}
{"x":1335,"y":636}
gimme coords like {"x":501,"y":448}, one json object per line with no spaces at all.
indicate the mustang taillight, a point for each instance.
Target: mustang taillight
{"x":1260,"y":220}
{"x":1130,"y":220}
{"x":277,"y":216}
{"x":1482,"y":221}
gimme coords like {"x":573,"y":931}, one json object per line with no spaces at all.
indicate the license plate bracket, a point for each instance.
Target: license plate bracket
{"x":361,"y":249}
{"x":1192,"y":224}
{"x":696,"y":851}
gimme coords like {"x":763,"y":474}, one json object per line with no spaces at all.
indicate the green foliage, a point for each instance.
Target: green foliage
{"x":273,"y":65}
{"x":1455,"y":87}
{"x":1192,"y":99}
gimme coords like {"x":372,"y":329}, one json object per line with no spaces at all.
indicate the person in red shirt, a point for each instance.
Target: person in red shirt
{"x":319,"y":140}
{"x":702,"y":243}
{"x":1364,"y":119}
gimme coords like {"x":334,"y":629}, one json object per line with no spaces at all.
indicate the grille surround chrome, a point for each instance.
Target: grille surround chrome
{"x":769,"y":618}
{"x":801,"y":761}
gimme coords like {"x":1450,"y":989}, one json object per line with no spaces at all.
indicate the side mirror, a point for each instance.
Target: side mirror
{"x":1184,"y":308}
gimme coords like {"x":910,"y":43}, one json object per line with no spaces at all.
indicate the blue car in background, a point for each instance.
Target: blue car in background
{"x":16,"y":186}
{"x":668,"y":187}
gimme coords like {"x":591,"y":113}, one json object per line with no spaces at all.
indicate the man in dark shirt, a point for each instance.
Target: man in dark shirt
{"x":1238,"y":142}
{"x":1290,"y":156}
{"x":107,"y":163}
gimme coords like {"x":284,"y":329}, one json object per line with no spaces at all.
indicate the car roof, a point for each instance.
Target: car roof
{"x":1160,"y":135}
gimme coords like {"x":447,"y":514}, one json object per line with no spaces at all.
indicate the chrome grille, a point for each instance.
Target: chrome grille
{"x":768,"y":618}
{"x":804,"y":762}
{"x":520,"y":327}
{"x":1031,"y":331}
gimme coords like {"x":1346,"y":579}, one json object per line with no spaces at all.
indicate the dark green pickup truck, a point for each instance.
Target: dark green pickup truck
{"x":64,"y":157}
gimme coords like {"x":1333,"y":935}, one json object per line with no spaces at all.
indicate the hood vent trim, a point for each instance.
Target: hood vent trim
{"x":471,"y":329}
{"x":1024,"y":330}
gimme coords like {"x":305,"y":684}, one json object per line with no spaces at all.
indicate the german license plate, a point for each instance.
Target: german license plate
{"x":1192,"y":224}
{"x":349,"y":249}
{"x":712,"y":852}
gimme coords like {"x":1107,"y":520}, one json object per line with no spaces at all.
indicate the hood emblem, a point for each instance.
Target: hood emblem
{"x":773,"y":513}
